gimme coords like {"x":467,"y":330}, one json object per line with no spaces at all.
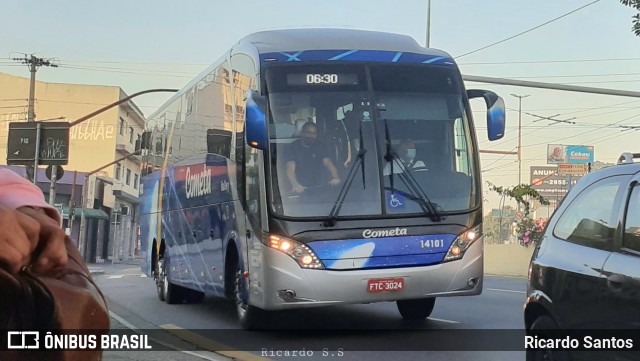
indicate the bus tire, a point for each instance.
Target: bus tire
{"x":170,"y":293}
{"x":416,"y":310}
{"x":159,"y":274}
{"x":539,"y":326}
{"x":249,"y":317}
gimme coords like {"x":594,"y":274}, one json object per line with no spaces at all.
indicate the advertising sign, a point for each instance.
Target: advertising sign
{"x":573,"y":154}
{"x":556,"y":154}
{"x":572,"y":169}
{"x":579,"y":154}
{"x":548,"y":183}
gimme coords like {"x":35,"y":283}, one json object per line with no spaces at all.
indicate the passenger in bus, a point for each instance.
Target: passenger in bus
{"x":306,"y":158}
{"x":406,"y":152}
{"x":282,"y":127}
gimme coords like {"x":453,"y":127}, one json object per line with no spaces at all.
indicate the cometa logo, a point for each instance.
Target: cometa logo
{"x":367,"y":233}
{"x":199,"y":183}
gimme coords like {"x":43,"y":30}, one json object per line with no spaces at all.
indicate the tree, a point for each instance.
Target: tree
{"x":636,"y":18}
{"x":518,"y":193}
{"x":529,"y":230}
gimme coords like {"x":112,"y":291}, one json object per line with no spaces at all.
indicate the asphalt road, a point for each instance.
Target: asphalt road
{"x":375,"y":329}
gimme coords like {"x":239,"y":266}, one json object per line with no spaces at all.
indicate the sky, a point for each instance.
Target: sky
{"x":145,"y":44}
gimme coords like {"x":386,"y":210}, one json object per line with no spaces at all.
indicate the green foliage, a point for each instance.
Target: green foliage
{"x":518,"y":193}
{"x":636,"y":18}
{"x":529,"y":231}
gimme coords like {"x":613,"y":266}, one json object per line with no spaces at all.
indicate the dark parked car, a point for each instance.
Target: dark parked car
{"x":585,"y":272}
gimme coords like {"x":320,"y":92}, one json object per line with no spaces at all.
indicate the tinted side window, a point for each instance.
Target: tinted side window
{"x":632,"y":224}
{"x":590,"y":219}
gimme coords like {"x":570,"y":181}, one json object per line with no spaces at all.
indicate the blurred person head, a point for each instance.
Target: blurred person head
{"x":309,"y":134}
{"x":407,"y":150}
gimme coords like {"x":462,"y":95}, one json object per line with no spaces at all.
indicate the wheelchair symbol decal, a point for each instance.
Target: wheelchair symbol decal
{"x":395,"y":200}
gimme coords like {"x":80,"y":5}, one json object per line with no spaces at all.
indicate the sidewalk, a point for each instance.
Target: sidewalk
{"x":109,"y":267}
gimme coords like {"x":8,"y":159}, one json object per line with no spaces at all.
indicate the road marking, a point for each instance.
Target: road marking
{"x":122,"y":321}
{"x":212,"y":345}
{"x":508,"y":291}
{"x":442,"y":320}
{"x":202,"y":354}
{"x":205,"y":355}
{"x":127,"y":275}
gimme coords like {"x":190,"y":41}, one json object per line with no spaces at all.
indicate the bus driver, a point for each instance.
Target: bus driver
{"x":305,"y":158}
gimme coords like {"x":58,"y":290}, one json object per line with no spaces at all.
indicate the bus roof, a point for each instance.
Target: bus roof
{"x":273,"y":41}
{"x":323,"y":39}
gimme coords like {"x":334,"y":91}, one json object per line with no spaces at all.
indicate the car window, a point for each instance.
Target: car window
{"x":590,"y":219}
{"x":632,"y":223}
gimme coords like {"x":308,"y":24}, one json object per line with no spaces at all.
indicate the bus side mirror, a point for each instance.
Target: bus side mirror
{"x":495,"y":112}
{"x":256,"y":120}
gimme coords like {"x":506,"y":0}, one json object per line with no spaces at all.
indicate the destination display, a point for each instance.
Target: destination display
{"x":306,"y":79}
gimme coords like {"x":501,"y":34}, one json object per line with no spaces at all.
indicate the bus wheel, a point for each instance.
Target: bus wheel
{"x":416,"y":310}
{"x":160,"y":278}
{"x":167,"y":291}
{"x":249,"y":317}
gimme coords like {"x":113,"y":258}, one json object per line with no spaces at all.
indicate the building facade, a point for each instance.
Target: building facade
{"x":98,"y":141}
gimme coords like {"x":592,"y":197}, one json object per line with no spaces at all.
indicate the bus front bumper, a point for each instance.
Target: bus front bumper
{"x":278,"y":282}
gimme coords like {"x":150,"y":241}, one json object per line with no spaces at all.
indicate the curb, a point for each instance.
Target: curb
{"x":95,"y":271}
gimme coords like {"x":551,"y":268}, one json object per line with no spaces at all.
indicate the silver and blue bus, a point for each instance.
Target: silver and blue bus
{"x":398,"y":218}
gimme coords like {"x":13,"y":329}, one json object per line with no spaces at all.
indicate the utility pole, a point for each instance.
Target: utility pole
{"x":427,"y":43}
{"x":34,"y":63}
{"x":519,"y":136}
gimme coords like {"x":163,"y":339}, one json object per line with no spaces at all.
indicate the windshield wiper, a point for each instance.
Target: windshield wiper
{"x":389,"y":157}
{"x":359,"y":162}
{"x":407,"y":177}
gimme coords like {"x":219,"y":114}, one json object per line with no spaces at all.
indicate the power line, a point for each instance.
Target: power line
{"x":583,"y":133}
{"x":191,"y":74}
{"x":569,"y":76}
{"x":547,"y":61}
{"x":15,"y":106}
{"x":132,"y":62}
{"x":527,"y":31}
{"x":126,"y":72}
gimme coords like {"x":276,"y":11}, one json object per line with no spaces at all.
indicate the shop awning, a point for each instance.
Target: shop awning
{"x":89,"y":213}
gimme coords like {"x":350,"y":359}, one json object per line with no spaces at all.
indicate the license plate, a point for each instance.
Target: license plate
{"x":386,"y":285}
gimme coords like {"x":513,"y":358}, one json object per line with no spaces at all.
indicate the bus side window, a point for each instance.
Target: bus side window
{"x":219,"y":142}
{"x":252,"y":184}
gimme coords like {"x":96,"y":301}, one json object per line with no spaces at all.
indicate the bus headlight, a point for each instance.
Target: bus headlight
{"x":302,"y":254}
{"x":462,"y":243}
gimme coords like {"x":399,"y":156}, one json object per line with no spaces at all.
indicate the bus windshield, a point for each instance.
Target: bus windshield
{"x":407,"y":123}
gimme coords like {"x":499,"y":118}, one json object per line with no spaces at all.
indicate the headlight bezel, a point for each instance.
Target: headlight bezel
{"x":298,"y":251}
{"x":462,"y":243}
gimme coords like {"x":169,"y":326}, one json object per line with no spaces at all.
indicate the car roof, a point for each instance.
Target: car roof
{"x":618,"y":169}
